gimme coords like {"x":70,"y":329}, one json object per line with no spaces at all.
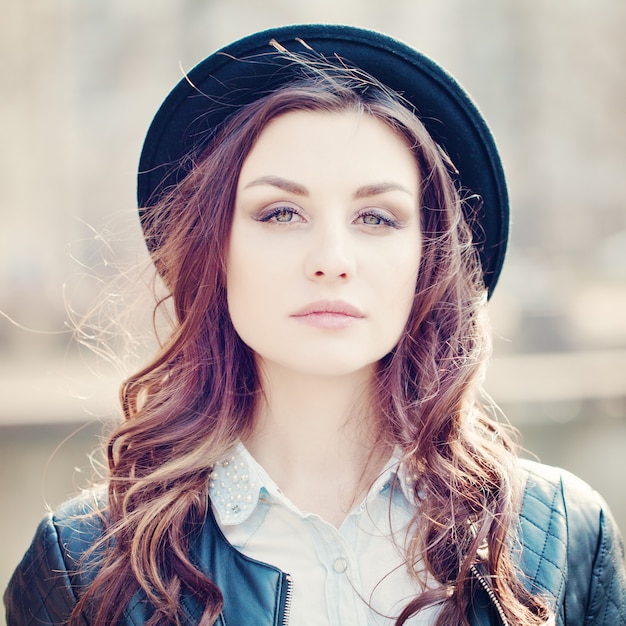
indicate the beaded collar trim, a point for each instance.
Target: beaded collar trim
{"x":237,"y":484}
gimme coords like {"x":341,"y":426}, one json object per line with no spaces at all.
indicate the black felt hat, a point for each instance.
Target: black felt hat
{"x":242,"y":71}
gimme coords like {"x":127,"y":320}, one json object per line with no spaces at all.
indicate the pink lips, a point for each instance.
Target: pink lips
{"x":329,"y":314}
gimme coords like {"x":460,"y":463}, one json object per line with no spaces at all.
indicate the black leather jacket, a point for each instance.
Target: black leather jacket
{"x":572,"y":554}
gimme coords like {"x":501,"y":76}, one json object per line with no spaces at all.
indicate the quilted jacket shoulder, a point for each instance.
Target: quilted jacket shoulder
{"x":45,"y":585}
{"x":62,"y":560}
{"x":572,"y":552}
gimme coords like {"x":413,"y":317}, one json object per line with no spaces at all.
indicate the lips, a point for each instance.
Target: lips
{"x":336,"y":307}
{"x":329,"y":314}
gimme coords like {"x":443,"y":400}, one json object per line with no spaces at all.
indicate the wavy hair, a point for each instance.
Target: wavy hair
{"x":197,"y":397}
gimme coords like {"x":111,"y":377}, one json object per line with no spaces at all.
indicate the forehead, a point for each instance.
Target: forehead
{"x":347,"y":142}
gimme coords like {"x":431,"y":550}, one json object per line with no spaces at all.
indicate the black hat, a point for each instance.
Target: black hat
{"x":222,"y":83}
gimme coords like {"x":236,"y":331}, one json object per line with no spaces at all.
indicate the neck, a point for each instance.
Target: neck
{"x":316,"y":437}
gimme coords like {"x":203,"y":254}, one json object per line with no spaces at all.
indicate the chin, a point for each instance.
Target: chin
{"x":328,"y":367}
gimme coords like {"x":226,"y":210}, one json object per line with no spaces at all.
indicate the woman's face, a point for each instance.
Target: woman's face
{"x":325,"y":243}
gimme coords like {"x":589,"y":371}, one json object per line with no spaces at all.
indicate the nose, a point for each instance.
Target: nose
{"x":330,"y":256}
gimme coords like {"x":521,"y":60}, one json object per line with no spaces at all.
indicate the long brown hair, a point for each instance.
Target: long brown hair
{"x":197,"y":397}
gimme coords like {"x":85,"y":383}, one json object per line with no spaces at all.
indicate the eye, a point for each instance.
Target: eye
{"x":281,"y":215}
{"x":372,"y":217}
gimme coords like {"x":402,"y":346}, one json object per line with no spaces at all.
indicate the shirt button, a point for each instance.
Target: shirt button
{"x":340,"y":565}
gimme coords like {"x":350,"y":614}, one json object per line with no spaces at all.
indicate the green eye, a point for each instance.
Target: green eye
{"x":283,"y":215}
{"x":280,"y":215}
{"x":372,"y":220}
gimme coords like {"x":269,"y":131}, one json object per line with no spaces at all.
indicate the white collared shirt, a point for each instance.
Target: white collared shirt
{"x":351,"y":576}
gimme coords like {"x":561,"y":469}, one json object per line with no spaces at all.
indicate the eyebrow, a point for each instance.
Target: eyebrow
{"x":367,"y":191}
{"x":281,"y":183}
{"x":375,"y":190}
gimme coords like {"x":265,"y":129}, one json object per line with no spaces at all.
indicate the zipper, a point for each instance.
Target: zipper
{"x":287,"y":597}
{"x":484,"y":583}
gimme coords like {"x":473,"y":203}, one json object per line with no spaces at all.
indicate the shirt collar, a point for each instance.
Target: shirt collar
{"x":237,"y":484}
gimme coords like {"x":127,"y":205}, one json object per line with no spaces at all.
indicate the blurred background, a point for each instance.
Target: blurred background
{"x":80,"y":83}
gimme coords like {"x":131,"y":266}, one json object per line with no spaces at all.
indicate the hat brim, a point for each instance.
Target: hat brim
{"x":222,"y":83}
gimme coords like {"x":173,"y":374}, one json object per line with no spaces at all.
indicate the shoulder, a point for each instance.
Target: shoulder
{"x":558,"y":502}
{"x":572,"y":550}
{"x":79,"y":525}
{"x":543,"y":482}
{"x":44,"y":586}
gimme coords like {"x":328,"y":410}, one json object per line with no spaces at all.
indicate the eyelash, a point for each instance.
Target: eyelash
{"x":269,"y":215}
{"x":385,"y":220}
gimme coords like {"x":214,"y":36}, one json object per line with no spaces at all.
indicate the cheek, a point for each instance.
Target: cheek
{"x":252,"y":286}
{"x":238,"y":281}
{"x":401,"y":273}
{"x":401,"y":295}
{"x":242,"y":300}
{"x":240,"y":287}
{"x":403,"y":301}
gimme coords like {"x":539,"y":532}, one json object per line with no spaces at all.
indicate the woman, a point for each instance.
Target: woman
{"x":308,"y":446}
